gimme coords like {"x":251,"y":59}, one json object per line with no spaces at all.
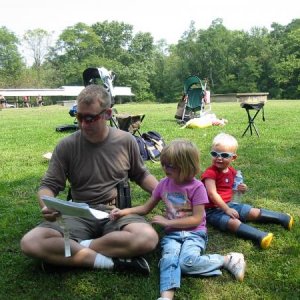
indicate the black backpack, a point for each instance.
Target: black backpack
{"x":142,"y":147}
{"x":150,"y":144}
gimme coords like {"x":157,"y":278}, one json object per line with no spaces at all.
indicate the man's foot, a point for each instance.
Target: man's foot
{"x":236,"y":265}
{"x":137,"y":264}
{"x":266,"y":241}
{"x":49,"y":268}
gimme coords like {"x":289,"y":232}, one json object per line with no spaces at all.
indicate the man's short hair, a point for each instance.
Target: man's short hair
{"x":93,"y":93}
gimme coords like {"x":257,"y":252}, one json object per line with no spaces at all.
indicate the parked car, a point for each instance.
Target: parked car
{"x":10,"y":105}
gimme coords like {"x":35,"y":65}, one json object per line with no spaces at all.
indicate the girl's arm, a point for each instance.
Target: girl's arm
{"x":140,"y":210}
{"x":213,"y":195}
{"x":187,"y":222}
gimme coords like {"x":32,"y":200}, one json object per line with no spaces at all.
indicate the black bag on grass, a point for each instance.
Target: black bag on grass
{"x":142,"y":147}
{"x":150,"y":144}
{"x":154,"y":144}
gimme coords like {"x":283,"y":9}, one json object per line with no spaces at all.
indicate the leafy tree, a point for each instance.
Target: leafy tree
{"x":38,"y":42}
{"x":75,"y":48}
{"x":232,"y":61}
{"x":115,"y":38}
{"x":204,"y":53}
{"x":287,"y":71}
{"x":158,"y":77}
{"x":11,"y":63}
{"x":111,"y":45}
{"x":134,"y":54}
{"x":251,"y":57}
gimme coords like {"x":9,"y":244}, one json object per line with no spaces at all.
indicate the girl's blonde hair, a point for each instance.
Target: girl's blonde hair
{"x":184,"y":155}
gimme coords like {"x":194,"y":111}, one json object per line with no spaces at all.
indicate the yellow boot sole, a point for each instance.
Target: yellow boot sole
{"x":291,"y":222}
{"x":266,"y":241}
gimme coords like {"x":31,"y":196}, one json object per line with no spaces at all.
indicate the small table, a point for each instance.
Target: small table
{"x":253,"y":106}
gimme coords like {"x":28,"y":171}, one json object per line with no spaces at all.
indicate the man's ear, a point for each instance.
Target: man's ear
{"x":108,"y":114}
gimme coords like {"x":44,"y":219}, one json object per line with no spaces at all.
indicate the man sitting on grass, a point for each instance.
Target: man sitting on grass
{"x":94,"y":160}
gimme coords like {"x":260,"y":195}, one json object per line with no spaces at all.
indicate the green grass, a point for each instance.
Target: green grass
{"x":270,"y":166}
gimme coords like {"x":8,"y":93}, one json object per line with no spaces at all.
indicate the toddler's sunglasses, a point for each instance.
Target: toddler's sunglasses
{"x":221,"y":154}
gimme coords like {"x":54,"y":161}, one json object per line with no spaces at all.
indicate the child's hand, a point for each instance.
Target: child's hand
{"x":242,"y":188}
{"x":115,"y":214}
{"x":160,"y":220}
{"x":50,"y":214}
{"x":232,"y":213}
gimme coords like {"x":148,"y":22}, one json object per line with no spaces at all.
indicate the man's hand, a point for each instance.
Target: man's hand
{"x":232,"y":213}
{"x":49,"y":214}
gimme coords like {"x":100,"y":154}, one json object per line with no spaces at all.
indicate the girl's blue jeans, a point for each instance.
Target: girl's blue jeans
{"x":182,"y":253}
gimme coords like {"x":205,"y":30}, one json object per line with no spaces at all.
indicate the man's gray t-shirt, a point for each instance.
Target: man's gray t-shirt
{"x":94,"y":170}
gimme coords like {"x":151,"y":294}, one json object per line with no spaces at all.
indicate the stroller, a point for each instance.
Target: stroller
{"x":126,"y":122}
{"x":93,"y":76}
{"x":194,"y":100}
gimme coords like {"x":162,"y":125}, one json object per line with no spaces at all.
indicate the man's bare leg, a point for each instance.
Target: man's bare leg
{"x":48,"y":245}
{"x":134,"y":240}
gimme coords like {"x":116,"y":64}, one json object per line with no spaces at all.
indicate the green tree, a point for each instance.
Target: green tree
{"x":250,"y":57}
{"x":38,"y":42}
{"x":115,"y":38}
{"x":287,"y":71}
{"x":11,"y":63}
{"x":129,"y":55}
{"x":141,"y":51}
{"x":204,"y":53}
{"x":75,"y":49}
{"x":158,"y":76}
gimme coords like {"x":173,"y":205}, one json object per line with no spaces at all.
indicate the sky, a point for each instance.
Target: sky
{"x":164,"y":19}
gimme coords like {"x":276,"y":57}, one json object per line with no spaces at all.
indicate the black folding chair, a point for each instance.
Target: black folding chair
{"x":253,"y":106}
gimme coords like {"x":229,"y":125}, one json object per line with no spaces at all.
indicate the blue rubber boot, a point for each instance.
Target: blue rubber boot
{"x":268,"y":216}
{"x":263,"y":239}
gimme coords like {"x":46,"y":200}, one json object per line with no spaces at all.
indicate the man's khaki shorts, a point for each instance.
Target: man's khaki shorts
{"x":86,"y":229}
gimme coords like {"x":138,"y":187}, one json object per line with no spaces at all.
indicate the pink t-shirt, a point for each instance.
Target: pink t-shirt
{"x":224,"y":182}
{"x":179,"y":200}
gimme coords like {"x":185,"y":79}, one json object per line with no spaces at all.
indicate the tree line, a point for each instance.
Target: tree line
{"x":232,"y":61}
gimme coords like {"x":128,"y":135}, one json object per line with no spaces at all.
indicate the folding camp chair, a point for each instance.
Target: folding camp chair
{"x":128,"y":122}
{"x":253,"y":106}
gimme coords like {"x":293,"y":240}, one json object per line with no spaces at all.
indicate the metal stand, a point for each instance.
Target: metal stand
{"x":251,"y":124}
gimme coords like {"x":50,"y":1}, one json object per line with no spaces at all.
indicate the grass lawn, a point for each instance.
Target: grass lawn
{"x":270,"y":167}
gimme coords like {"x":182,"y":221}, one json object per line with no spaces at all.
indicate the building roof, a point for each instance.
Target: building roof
{"x":62,"y":91}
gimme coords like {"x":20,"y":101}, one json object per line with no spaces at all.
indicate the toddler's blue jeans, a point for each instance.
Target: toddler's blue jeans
{"x":218,"y":218}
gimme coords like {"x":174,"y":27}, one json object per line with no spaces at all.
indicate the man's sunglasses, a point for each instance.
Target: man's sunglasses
{"x":89,"y":118}
{"x":221,"y":154}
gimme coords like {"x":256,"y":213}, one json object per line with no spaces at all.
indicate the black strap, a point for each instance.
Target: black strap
{"x":124,"y":195}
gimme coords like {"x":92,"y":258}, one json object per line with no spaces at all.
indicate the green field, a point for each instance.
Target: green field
{"x":270,"y":167}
